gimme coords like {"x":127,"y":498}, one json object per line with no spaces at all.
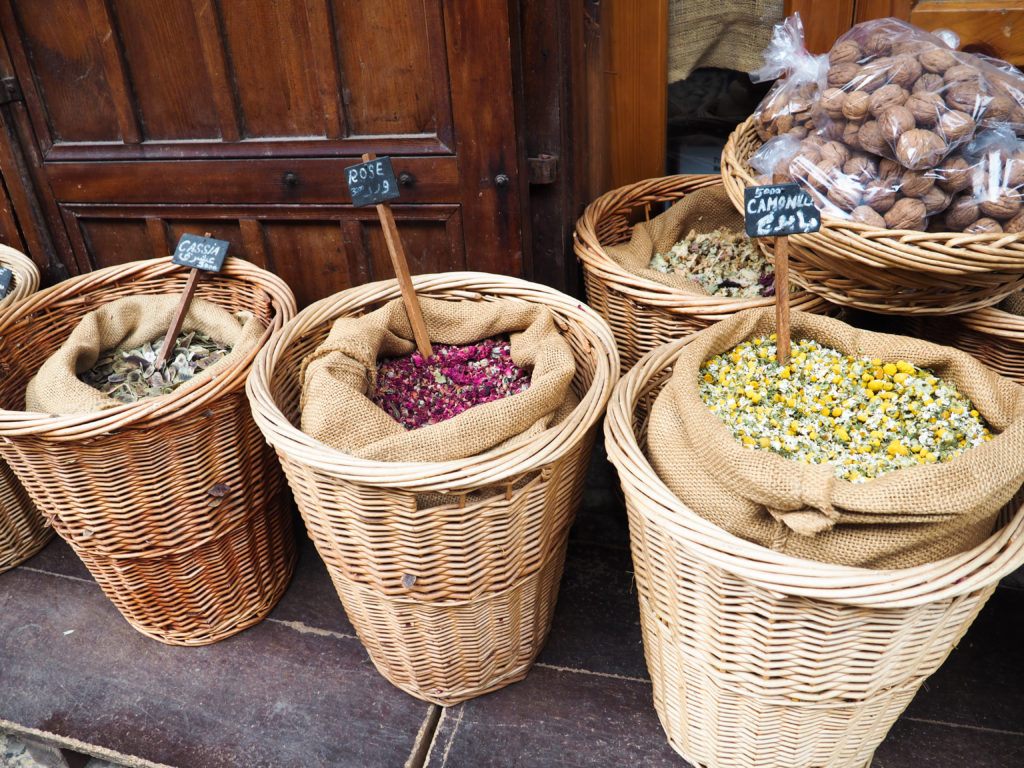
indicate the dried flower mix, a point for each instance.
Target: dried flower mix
{"x":866,"y":417}
{"x":130,"y":375}
{"x":723,"y":262}
{"x":417,"y":392}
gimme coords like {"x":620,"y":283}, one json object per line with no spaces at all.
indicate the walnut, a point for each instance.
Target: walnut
{"x":894,"y":122}
{"x":856,"y":105}
{"x":998,"y":109}
{"x":879,"y":194}
{"x":845,"y":51}
{"x":984,"y":226}
{"x":836,"y":152}
{"x":845,"y":192}
{"x":842,"y":73}
{"x":783,"y":124}
{"x":1015,"y":225}
{"x":832,"y":101}
{"x":967,"y":97}
{"x":916,"y":183}
{"x":861,"y":166}
{"x":937,"y":60}
{"x":1001,"y":203}
{"x":961,"y":213}
{"x":929,"y":81}
{"x":904,"y":70}
{"x":888,"y":169}
{"x":954,"y":174}
{"x":850,"y":131}
{"x":878,"y":43}
{"x":832,"y":130}
{"x":1013,"y":170}
{"x":906,"y":213}
{"x":920,"y":148}
{"x":870,"y":138}
{"x":865,"y":215}
{"x":873,"y":75}
{"x":961,"y":73}
{"x":890,"y":95}
{"x":956,"y":126}
{"x":926,"y":107}
{"x":935,"y":200}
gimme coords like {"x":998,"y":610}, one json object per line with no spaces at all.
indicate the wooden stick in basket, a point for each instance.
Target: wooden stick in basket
{"x":179,"y":315}
{"x":782,"y":332}
{"x":398,"y":260}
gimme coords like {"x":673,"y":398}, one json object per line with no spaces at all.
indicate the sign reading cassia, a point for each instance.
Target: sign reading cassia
{"x":372,"y":182}
{"x":779,"y":209}
{"x":200,"y":253}
{"x":5,"y":281}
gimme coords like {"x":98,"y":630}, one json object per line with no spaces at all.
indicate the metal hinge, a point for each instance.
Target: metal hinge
{"x":10,"y":90}
{"x":543,"y":168}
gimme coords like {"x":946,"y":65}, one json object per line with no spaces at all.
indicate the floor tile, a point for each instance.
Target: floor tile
{"x":919,"y":744}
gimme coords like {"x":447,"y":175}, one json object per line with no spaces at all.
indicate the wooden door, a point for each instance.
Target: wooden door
{"x":138,"y":120}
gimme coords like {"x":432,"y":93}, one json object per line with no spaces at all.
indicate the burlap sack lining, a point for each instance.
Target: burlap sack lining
{"x":125,"y":324}
{"x":703,"y":210}
{"x":338,"y":379}
{"x":901,"y":519}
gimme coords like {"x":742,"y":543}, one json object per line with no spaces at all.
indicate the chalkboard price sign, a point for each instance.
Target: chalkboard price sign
{"x":5,"y":281}
{"x":372,"y":182}
{"x":200,"y":253}
{"x":779,"y":209}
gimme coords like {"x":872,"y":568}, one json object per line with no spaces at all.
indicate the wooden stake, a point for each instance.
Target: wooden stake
{"x":412,"y":304}
{"x":179,"y":316}
{"x":782,"y":299}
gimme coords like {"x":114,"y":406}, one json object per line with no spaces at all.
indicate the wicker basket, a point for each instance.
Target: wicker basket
{"x":889,"y":271}
{"x":23,"y":531}
{"x":449,"y":571}
{"x":130,"y":488}
{"x":642,"y":313}
{"x":760,"y":660}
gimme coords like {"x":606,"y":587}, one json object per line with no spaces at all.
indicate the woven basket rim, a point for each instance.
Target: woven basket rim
{"x":26,"y":274}
{"x":960,"y":574}
{"x":488,"y":468}
{"x":591,"y":251}
{"x":154,"y":409}
{"x":941,"y":252}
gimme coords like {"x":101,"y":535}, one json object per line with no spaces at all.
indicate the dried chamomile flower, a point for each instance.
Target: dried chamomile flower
{"x":723,"y":262}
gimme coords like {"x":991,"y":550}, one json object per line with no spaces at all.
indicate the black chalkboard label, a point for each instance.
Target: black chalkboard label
{"x":372,"y":182}
{"x":200,"y":252}
{"x":5,"y":281}
{"x":779,"y":209}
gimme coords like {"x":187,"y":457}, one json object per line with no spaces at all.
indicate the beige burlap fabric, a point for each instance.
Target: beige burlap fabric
{"x":125,"y":324}
{"x":900,"y":519}
{"x":703,"y":210}
{"x":730,"y":34}
{"x":339,"y":377}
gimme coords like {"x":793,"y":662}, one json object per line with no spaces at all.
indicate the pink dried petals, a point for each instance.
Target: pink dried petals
{"x":418,"y":392}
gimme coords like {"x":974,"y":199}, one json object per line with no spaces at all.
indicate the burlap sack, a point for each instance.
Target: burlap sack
{"x":897,"y":520}
{"x":703,"y":210}
{"x":338,"y":377}
{"x":730,"y":35}
{"x":125,"y":324}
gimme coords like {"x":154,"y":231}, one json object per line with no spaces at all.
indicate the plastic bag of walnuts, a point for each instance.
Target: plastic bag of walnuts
{"x":993,"y":201}
{"x":787,"y":107}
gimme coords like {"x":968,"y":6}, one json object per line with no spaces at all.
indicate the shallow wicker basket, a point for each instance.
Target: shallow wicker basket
{"x":449,"y":571}
{"x":642,"y":313}
{"x":132,"y":488}
{"x":889,"y":271}
{"x":23,"y":531}
{"x":760,"y":660}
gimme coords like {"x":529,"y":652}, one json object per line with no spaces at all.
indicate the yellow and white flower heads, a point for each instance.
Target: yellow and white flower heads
{"x":866,"y":417}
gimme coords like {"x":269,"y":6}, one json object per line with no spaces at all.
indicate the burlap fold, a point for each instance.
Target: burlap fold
{"x":125,"y":324}
{"x":901,"y":519}
{"x":703,"y":210}
{"x":339,"y":376}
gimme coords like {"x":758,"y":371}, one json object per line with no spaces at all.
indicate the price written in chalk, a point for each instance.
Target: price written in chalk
{"x":372,"y":182}
{"x":5,"y":281}
{"x":779,"y":209}
{"x":200,"y":253}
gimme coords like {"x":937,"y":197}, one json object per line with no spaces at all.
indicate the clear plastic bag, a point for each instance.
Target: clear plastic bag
{"x":993,"y":201}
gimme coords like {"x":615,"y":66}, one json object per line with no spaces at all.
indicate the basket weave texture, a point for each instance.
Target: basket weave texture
{"x":642,"y":313}
{"x":449,"y":571}
{"x":761,"y":660}
{"x":889,"y":271}
{"x":23,"y":531}
{"x":175,"y":503}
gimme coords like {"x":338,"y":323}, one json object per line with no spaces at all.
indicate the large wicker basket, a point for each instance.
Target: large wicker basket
{"x":760,"y":660}
{"x":139,"y":490}
{"x":642,"y":313}
{"x":23,"y":531}
{"x":889,"y":271}
{"x":451,"y":595}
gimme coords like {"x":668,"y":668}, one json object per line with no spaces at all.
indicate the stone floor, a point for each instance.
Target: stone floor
{"x":298,"y":689}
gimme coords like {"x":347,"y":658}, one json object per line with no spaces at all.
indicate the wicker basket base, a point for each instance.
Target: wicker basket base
{"x":23,"y":530}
